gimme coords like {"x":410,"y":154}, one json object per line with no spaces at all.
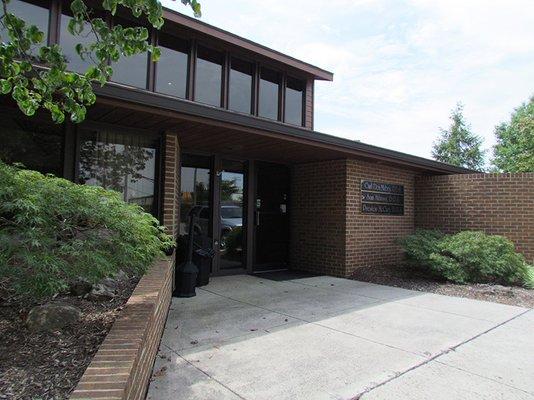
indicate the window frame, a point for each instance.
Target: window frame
{"x":253,"y":76}
{"x":158,"y":159}
{"x":281,"y":91}
{"x":224,"y":69}
{"x":121,"y":20}
{"x":303,"y":105}
{"x":153,"y":78}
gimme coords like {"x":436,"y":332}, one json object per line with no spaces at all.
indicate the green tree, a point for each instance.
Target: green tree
{"x":514,"y":151}
{"x":228,"y":189}
{"x":36,"y":75}
{"x":458,"y":145}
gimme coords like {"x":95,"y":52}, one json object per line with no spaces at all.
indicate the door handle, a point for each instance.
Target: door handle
{"x":257,"y":218}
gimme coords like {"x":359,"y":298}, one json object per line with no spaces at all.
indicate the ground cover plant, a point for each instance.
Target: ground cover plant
{"x":53,"y":231}
{"x":468,"y":257}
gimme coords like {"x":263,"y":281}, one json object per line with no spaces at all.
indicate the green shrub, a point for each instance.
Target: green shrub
{"x":53,"y":230}
{"x":421,"y":245}
{"x":469,"y":257}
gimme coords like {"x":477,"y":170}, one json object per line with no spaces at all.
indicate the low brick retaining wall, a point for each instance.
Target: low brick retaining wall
{"x":122,"y":366}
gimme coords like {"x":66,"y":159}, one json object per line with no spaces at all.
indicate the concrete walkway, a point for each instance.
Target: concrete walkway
{"x":293,"y":337}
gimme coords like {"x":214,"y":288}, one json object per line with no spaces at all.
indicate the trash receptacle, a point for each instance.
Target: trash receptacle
{"x":202,"y":259}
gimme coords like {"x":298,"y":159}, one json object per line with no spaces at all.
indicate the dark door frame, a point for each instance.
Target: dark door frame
{"x":248,"y":214}
{"x":256,"y":267}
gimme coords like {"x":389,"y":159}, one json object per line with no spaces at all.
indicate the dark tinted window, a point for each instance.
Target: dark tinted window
{"x":231,"y":238}
{"x":294,"y":101}
{"x":33,"y":14}
{"x":240,"y":94}
{"x":68,"y":45}
{"x":124,"y":163}
{"x":171,"y":69}
{"x":195,"y":192}
{"x":268,"y":96}
{"x":208,"y":78}
{"x":132,"y":70}
{"x":35,"y":143}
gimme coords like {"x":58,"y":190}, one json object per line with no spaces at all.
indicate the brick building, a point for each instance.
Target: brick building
{"x":223,"y":127}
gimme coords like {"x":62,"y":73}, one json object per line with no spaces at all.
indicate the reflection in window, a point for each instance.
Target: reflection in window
{"x":33,"y":14}
{"x":294,"y":101}
{"x":268,"y":96}
{"x":131,"y":71}
{"x":208,"y":77}
{"x":124,"y":163}
{"x":35,"y":143}
{"x":231,"y":239}
{"x":195,"y":193}
{"x":171,"y":68}
{"x":68,"y":45}
{"x":240,"y":95}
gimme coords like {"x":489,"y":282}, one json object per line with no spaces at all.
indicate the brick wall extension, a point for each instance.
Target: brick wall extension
{"x":122,"y":367}
{"x":329,"y":232}
{"x":501,"y":204}
{"x":371,"y":239}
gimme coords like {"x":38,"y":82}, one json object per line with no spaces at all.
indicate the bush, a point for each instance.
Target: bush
{"x":53,"y":230}
{"x":469,"y":257}
{"x":421,"y":245}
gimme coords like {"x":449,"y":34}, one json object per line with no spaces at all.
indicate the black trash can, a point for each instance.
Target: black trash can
{"x":202,"y":259}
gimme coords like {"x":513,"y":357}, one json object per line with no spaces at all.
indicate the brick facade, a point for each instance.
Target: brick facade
{"x":122,"y":367}
{"x":317,"y":215}
{"x":171,"y":183}
{"x":372,"y":239}
{"x":501,"y":204}
{"x":329,"y":232}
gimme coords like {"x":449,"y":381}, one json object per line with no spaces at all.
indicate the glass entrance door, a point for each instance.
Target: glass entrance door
{"x":231,"y":216}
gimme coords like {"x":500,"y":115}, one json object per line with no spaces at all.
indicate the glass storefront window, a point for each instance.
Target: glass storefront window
{"x":33,"y":13}
{"x":195,"y":193}
{"x":294,"y":101}
{"x":268,"y":96}
{"x":208,"y":76}
{"x":35,"y":143}
{"x":171,"y":68}
{"x":121,"y":162}
{"x":240,"y":92}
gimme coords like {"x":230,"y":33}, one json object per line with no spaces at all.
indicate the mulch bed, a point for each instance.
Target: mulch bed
{"x":49,"y":365}
{"x":409,"y":278}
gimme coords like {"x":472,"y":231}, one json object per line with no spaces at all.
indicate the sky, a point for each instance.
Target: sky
{"x":400,"y":66}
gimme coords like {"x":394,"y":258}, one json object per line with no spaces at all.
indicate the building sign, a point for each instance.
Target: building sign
{"x":382,"y":198}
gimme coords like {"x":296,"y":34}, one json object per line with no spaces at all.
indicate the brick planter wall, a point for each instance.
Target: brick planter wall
{"x":122,"y":367}
{"x":501,"y":204}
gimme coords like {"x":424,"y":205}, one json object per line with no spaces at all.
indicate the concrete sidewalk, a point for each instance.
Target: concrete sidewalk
{"x":286,"y":336}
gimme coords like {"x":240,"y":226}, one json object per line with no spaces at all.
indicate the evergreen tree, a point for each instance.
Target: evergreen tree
{"x":514,"y":151}
{"x":458,"y":145}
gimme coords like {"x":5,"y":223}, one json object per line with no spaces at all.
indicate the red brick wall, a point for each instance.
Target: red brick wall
{"x":122,"y":367}
{"x":318,"y":217}
{"x":171,"y":183}
{"x":329,"y":233}
{"x":501,"y":204}
{"x":371,"y":239}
